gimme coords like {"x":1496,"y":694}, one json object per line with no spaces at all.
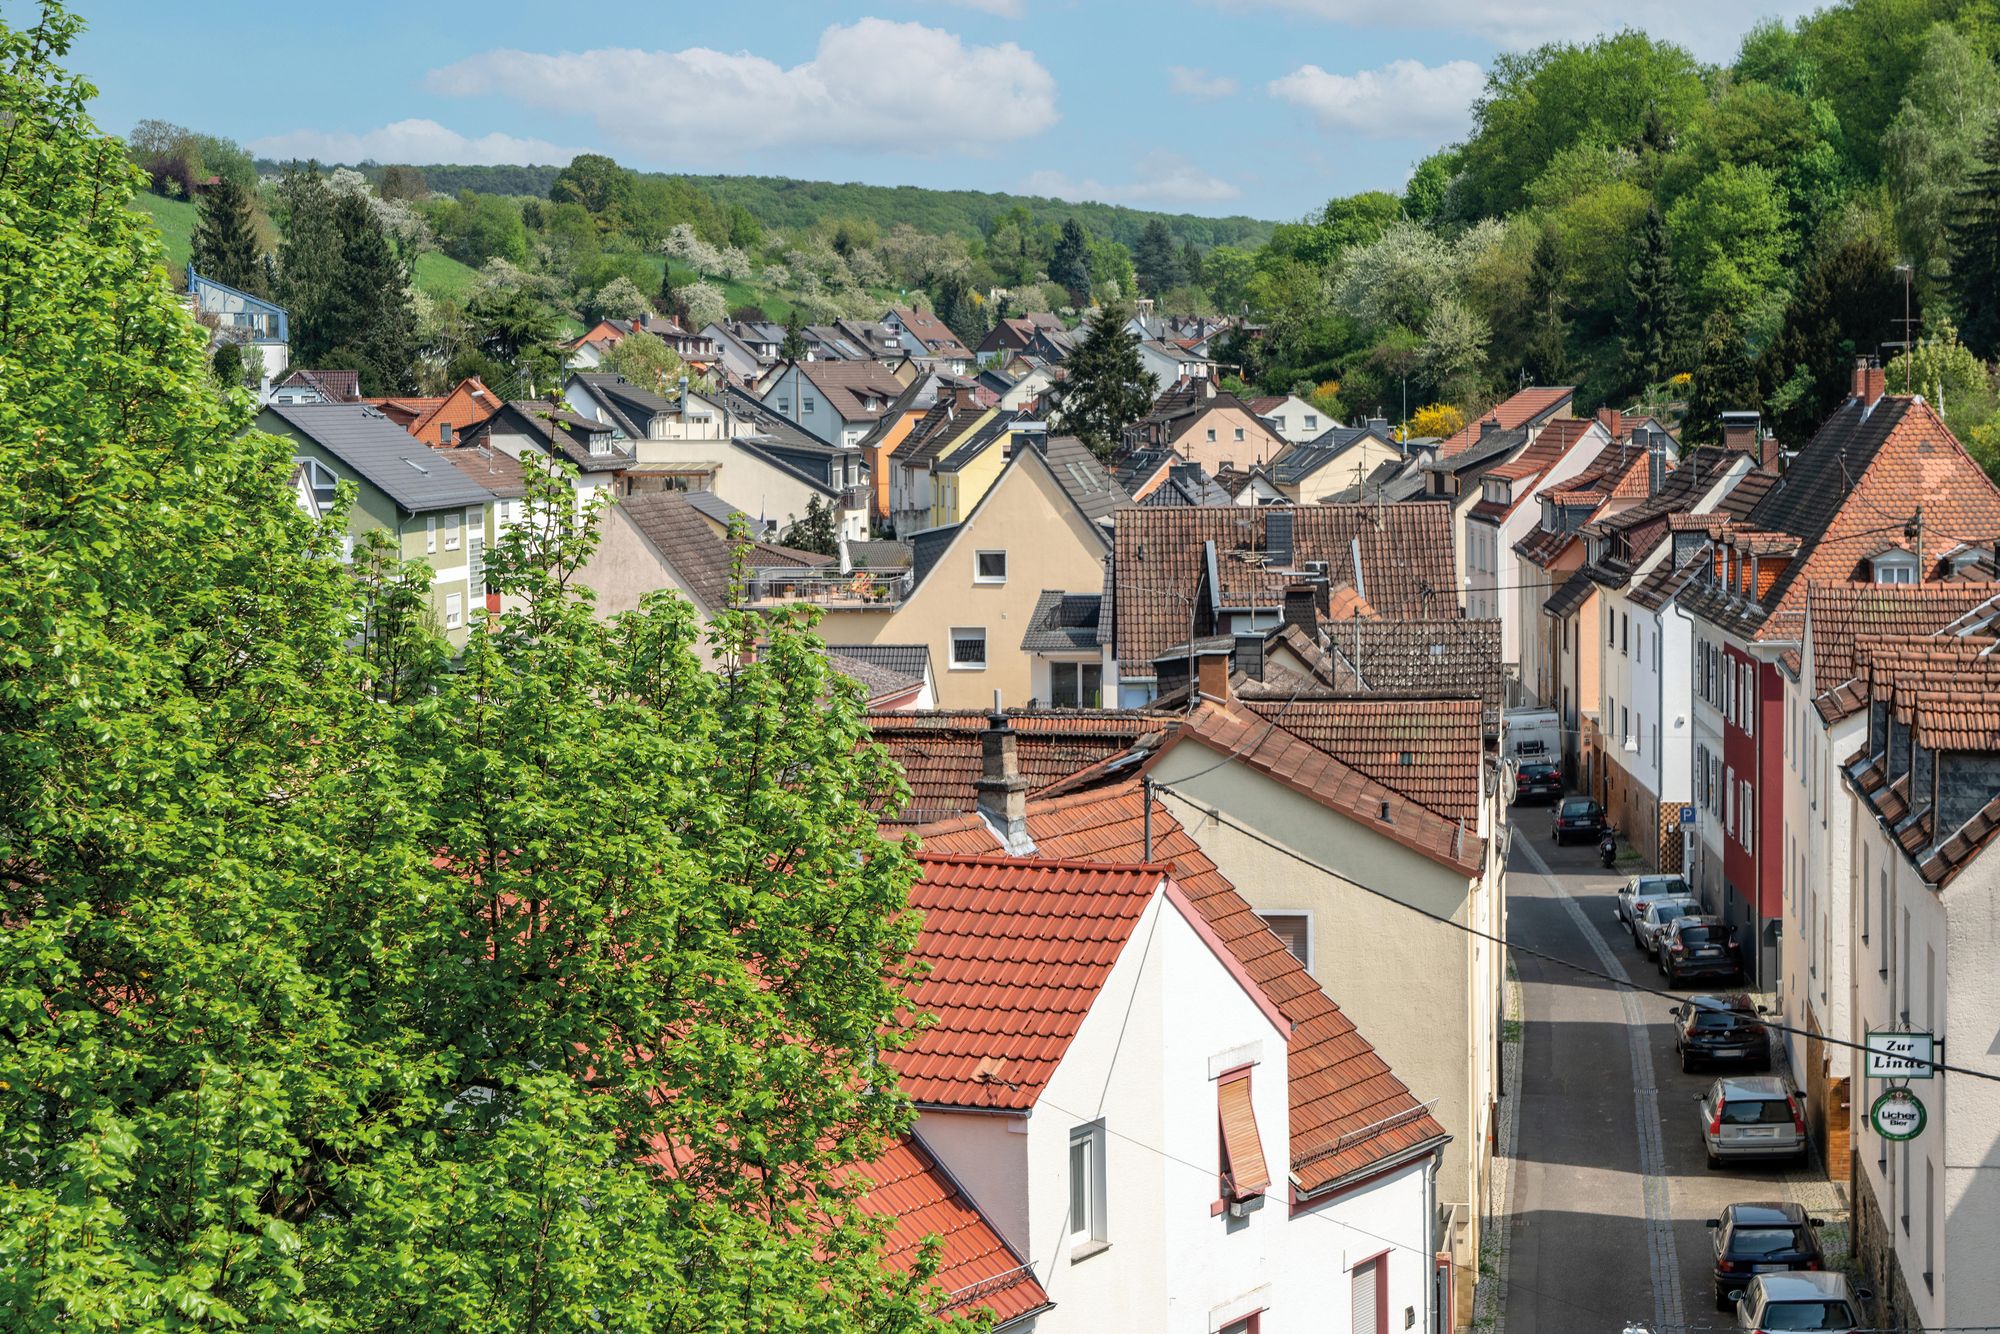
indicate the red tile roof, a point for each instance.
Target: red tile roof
{"x":976,"y":1268}
{"x":1289,"y":759}
{"x":1017,"y":951}
{"x":1349,"y":1111}
{"x":941,"y":755}
{"x":1843,"y":613}
{"x":1516,"y":412}
{"x":1430,"y":751}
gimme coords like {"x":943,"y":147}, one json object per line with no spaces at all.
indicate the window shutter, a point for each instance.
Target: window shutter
{"x":1290,"y":928}
{"x":1242,"y":1147}
{"x":1364,"y":1317}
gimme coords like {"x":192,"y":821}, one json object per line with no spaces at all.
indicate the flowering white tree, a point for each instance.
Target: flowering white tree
{"x":706,"y":304}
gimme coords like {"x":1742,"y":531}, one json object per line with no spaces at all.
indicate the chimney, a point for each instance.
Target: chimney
{"x":1656,"y":466}
{"x":1767,"y":451}
{"x":1212,"y":676}
{"x":1003,"y":793}
{"x":1489,"y":426}
{"x":1379,"y":425}
{"x":1613,"y":421}
{"x":1303,"y":604}
{"x":1870,"y":381}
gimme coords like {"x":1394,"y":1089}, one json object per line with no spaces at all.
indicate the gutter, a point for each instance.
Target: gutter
{"x":1341,"y":1184}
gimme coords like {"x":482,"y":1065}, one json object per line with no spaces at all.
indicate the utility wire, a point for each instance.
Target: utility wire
{"x":1528,"y":950}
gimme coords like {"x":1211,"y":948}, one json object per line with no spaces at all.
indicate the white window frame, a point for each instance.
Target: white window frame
{"x":1303,"y":914}
{"x":1088,"y":1233}
{"x":454,"y":610}
{"x":951,"y":648}
{"x":430,"y":534}
{"x":979,"y":576}
{"x":314,"y":470}
{"x":453,"y":522}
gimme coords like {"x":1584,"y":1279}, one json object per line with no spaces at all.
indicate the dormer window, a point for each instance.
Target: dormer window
{"x":600,"y":443}
{"x":1499,"y":491}
{"x":1895,"y":567}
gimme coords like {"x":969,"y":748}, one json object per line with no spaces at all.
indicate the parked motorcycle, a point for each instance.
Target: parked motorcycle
{"x":1607,"y":847}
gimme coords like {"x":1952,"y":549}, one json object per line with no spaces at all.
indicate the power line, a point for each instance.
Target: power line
{"x":1529,"y":950}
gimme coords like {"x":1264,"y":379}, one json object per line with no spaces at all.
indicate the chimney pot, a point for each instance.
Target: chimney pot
{"x":1212,"y":676}
{"x":1002,"y":791}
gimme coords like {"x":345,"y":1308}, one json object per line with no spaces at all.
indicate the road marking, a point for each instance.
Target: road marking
{"x":1662,"y":1256}
{"x":1490,"y":1297}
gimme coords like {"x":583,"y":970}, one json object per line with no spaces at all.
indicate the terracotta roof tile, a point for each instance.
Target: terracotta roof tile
{"x":1842,"y":613}
{"x":1017,"y":951}
{"x":940,"y":751}
{"x":1523,"y":409}
{"x":976,"y":1268}
{"x":1431,"y":752}
{"x":1349,"y":1111}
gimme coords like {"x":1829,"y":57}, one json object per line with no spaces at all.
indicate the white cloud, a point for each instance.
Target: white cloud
{"x":1405,"y":99}
{"x":1709,"y":28}
{"x":1006,"y":9}
{"x":1163,"y":178}
{"x":417,"y":141}
{"x":872,"y":85}
{"x":1199,"y":83}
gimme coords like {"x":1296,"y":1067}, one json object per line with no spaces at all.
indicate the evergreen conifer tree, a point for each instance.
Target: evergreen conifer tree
{"x":1069,"y":267}
{"x":308,"y":271}
{"x":370,"y":320}
{"x":1652,"y":333}
{"x":225,"y":238}
{"x":794,"y":346}
{"x":1975,"y":253}
{"x":1105,"y":388}
{"x":1545,"y":355}
{"x":1157,"y":261}
{"x":1725,"y":380}
{"x":1191,"y":263}
{"x":1841,"y":309}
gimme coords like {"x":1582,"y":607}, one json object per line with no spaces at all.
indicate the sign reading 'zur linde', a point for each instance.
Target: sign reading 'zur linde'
{"x":1901,"y":1055}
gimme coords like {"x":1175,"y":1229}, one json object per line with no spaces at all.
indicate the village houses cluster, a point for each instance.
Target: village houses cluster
{"x":1211,"y":749}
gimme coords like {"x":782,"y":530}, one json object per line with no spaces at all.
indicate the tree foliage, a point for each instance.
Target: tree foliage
{"x":817,"y":530}
{"x":329,"y":1004}
{"x":1842,"y":309}
{"x":1975,"y":251}
{"x":225,"y":238}
{"x":1104,"y":388}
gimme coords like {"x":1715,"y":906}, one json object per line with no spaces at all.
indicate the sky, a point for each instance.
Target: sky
{"x":1258,"y":107}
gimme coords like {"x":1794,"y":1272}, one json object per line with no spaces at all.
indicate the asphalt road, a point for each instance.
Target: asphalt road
{"x":1610,"y":1186}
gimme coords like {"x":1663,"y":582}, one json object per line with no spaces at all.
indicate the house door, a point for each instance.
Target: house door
{"x":1370,"y":1313}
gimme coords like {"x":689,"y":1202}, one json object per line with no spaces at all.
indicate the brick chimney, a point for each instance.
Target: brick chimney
{"x":1741,"y":432}
{"x":1870,"y":381}
{"x":1613,"y":421}
{"x":1212,"y":676}
{"x":964,"y":396}
{"x":1003,"y":793}
{"x":1303,"y":605}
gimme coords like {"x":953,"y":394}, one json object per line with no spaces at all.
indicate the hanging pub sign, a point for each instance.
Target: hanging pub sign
{"x":1901,"y":1055}
{"x":1898,"y":1115}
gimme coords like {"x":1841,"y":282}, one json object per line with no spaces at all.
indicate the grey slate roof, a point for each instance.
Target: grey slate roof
{"x":880,"y":554}
{"x":1063,"y":623}
{"x":926,"y":547}
{"x":1294,"y":465}
{"x":1188,"y":484}
{"x":1080,"y":472}
{"x":909,"y":660}
{"x":685,"y":541}
{"x":633,"y":405}
{"x":390,"y":458}
{"x":976,"y":443}
{"x":720,"y":510}
{"x":780,"y":430}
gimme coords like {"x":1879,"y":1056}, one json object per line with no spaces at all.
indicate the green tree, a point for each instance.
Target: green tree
{"x":519,"y":333}
{"x":1932,"y":144}
{"x":647,"y":361}
{"x":403,"y":182}
{"x":309,"y":260}
{"x":1653,"y":322}
{"x":594,"y":181}
{"x":1191,"y":264}
{"x":1069,"y":266}
{"x":619,"y":299}
{"x":1975,"y":252}
{"x":1842,"y":308}
{"x":1863,"y":53}
{"x":1729,"y":243}
{"x":1104,"y":387}
{"x":1725,"y":379}
{"x":370,"y":323}
{"x":1228,"y":270}
{"x":1428,"y":195}
{"x":328,"y":1006}
{"x":793,"y":348}
{"x":818,"y":530}
{"x":1545,"y":353}
{"x":1156,"y":258}
{"x":225,"y":238}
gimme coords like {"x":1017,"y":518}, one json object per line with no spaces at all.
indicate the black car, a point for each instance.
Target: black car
{"x":1752,"y":1239}
{"x":1578,"y":817}
{"x":1538,"y":782}
{"x":1721,"y":1028}
{"x":1698,"y":946}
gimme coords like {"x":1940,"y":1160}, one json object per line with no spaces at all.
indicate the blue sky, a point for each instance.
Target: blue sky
{"x":1264,"y":107}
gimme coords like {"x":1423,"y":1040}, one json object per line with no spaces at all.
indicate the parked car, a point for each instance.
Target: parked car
{"x":1538,"y":781}
{"x":1721,"y":1028}
{"x":1751,"y":1239}
{"x":1577,"y":817}
{"x":1751,"y":1116}
{"x":1697,"y":945}
{"x":1647,"y":887}
{"x":1820,"y":1301}
{"x":1654,"y":919}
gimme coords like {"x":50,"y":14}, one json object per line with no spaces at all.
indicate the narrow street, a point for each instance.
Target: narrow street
{"x":1610,"y":1187}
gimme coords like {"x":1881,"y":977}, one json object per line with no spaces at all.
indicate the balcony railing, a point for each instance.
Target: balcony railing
{"x":857,"y":590}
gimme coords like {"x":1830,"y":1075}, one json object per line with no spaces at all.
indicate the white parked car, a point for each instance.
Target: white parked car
{"x":1655,"y":916}
{"x":1646,"y":887}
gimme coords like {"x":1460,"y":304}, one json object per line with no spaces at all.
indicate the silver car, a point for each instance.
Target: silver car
{"x":1647,"y":887}
{"x":1801,"y":1300}
{"x":1655,"y":916}
{"x":1755,"y":1116}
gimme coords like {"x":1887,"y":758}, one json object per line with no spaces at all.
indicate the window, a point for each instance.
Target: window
{"x":444,"y":434}
{"x":1211,"y":435}
{"x":1076,"y":685}
{"x":1249,"y":1324}
{"x":968,"y":649}
{"x":454,"y":610}
{"x":807,"y":403}
{"x":1625,"y":726}
{"x":784,"y":406}
{"x":989,"y":567}
{"x":430,"y":533}
{"x":1624,"y":634}
{"x":1239,"y":433}
{"x":1245,"y":1174}
{"x":1086,"y":1189}
{"x":1295,"y":929}
{"x":450,"y":522}
{"x":1746,"y":835}
{"x":1888,"y":941}
{"x":1750,"y":698}
{"x":322,"y":481}
{"x":1368,"y":1311}
{"x":1312,"y":421}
